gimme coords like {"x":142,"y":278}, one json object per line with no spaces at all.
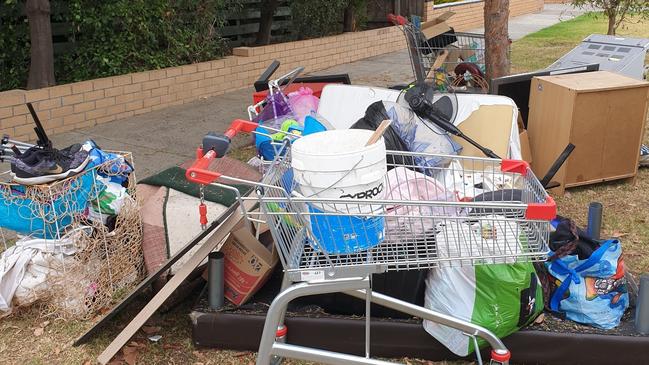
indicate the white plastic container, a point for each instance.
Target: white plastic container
{"x":337,"y":164}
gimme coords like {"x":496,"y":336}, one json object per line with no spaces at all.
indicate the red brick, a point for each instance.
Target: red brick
{"x":100,"y":84}
{"x":114,"y":91}
{"x":13,"y":121}
{"x":61,"y":90}
{"x":53,"y":123}
{"x":122,"y":80}
{"x":188,"y":69}
{"x":72,"y":99}
{"x":134,"y":105}
{"x":48,"y":104}
{"x":105,"y":102}
{"x":150,"y":85}
{"x":61,"y":112}
{"x":93,"y":95}
{"x":174,"y":71}
{"x":81,"y":87}
{"x":12,"y":97}
{"x":94,"y":114}
{"x":128,"y":89}
{"x":140,"y":77}
{"x":37,"y":95}
{"x":20,"y":109}
{"x":115,"y":109}
{"x":151,"y":101}
{"x":159,"y":91}
{"x":204,"y":66}
{"x":6,"y":112}
{"x":84,"y":107}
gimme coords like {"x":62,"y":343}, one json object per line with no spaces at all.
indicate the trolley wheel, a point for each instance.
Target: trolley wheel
{"x":500,"y":357}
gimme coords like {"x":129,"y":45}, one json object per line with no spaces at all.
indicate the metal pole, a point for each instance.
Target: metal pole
{"x":215,"y":280}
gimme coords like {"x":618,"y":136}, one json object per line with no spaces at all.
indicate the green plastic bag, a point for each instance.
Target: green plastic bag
{"x":501,"y":298}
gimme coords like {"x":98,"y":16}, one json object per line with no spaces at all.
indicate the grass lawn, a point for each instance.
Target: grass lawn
{"x":625,"y":215}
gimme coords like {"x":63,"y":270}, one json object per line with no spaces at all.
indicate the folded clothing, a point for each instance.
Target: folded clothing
{"x":407,"y":185}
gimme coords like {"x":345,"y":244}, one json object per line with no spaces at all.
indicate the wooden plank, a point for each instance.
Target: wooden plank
{"x":221,"y":232}
{"x":151,"y":278}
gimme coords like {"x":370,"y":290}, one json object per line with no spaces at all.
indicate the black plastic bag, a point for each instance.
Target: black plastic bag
{"x":374,"y":115}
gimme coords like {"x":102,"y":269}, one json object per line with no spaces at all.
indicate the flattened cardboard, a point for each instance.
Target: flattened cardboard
{"x":490,"y":126}
{"x":437,"y":26}
{"x":526,"y":152}
{"x":248,"y":264}
{"x":458,"y":54}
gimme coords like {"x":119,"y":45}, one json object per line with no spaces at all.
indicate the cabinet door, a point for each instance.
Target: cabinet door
{"x":626,"y":116}
{"x":589,"y":121}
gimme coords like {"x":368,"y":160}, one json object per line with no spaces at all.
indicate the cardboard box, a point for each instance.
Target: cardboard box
{"x":526,"y":151}
{"x":602,"y":113}
{"x":437,"y":26}
{"x":248,"y":264}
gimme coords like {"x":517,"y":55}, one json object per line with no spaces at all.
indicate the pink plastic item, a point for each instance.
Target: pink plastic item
{"x":303,"y":103}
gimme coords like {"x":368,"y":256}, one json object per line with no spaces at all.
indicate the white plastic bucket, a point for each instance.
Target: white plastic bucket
{"x":337,"y":164}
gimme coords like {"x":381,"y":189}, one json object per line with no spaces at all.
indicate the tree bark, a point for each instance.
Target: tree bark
{"x":268,"y":8}
{"x":41,"y":69}
{"x":611,"y":22}
{"x":349,"y":21}
{"x":496,"y":16}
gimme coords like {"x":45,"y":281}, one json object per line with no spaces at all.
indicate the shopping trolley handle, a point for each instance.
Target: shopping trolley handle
{"x":397,"y":19}
{"x":215,"y":145}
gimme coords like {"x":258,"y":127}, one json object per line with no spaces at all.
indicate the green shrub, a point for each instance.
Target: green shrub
{"x":122,"y":36}
{"x":112,"y":37}
{"x":14,"y":46}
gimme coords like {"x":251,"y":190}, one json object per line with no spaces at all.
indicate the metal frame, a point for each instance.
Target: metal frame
{"x":310,"y":269}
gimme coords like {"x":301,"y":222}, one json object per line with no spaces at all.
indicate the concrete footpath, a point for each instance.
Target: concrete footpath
{"x":169,"y":136}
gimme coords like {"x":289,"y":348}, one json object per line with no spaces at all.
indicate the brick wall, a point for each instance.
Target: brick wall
{"x":469,"y":14}
{"x":84,"y":104}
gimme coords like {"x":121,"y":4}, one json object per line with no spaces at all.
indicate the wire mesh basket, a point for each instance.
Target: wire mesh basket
{"x":456,"y":57}
{"x":424,"y":224}
{"x":81,"y":252}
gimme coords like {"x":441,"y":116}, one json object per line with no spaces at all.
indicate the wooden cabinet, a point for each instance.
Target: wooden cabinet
{"x":602,"y":113}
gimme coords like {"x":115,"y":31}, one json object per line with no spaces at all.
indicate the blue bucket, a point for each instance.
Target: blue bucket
{"x":342,"y":234}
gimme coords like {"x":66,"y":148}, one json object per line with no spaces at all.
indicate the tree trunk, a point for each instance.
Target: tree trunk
{"x":41,"y":69}
{"x":496,"y":16}
{"x":349,"y":22}
{"x":268,"y":8}
{"x":611,"y":22}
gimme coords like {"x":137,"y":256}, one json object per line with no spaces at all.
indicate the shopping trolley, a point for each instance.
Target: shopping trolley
{"x":456,"y":57}
{"x":428,"y":231}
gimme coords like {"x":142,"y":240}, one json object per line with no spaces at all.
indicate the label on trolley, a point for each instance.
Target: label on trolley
{"x":312,"y":275}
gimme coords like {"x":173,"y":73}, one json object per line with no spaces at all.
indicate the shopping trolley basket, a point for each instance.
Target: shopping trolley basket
{"x":425,"y":228}
{"x":459,"y":56}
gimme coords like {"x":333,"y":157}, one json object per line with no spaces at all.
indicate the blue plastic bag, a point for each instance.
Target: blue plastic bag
{"x":591,"y":291}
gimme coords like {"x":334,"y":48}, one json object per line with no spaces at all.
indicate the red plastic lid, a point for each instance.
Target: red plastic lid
{"x":281,"y":331}
{"x":500,"y":357}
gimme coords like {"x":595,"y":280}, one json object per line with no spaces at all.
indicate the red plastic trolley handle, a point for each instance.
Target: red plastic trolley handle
{"x":397,"y":19}
{"x":198,"y":172}
{"x":540,"y":211}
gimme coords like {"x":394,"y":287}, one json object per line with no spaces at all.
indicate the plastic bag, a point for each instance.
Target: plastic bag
{"x":374,"y":115}
{"x":276,"y":110}
{"x":421,"y":136}
{"x":591,"y":291}
{"x":303,"y":103}
{"x":502,"y":298}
